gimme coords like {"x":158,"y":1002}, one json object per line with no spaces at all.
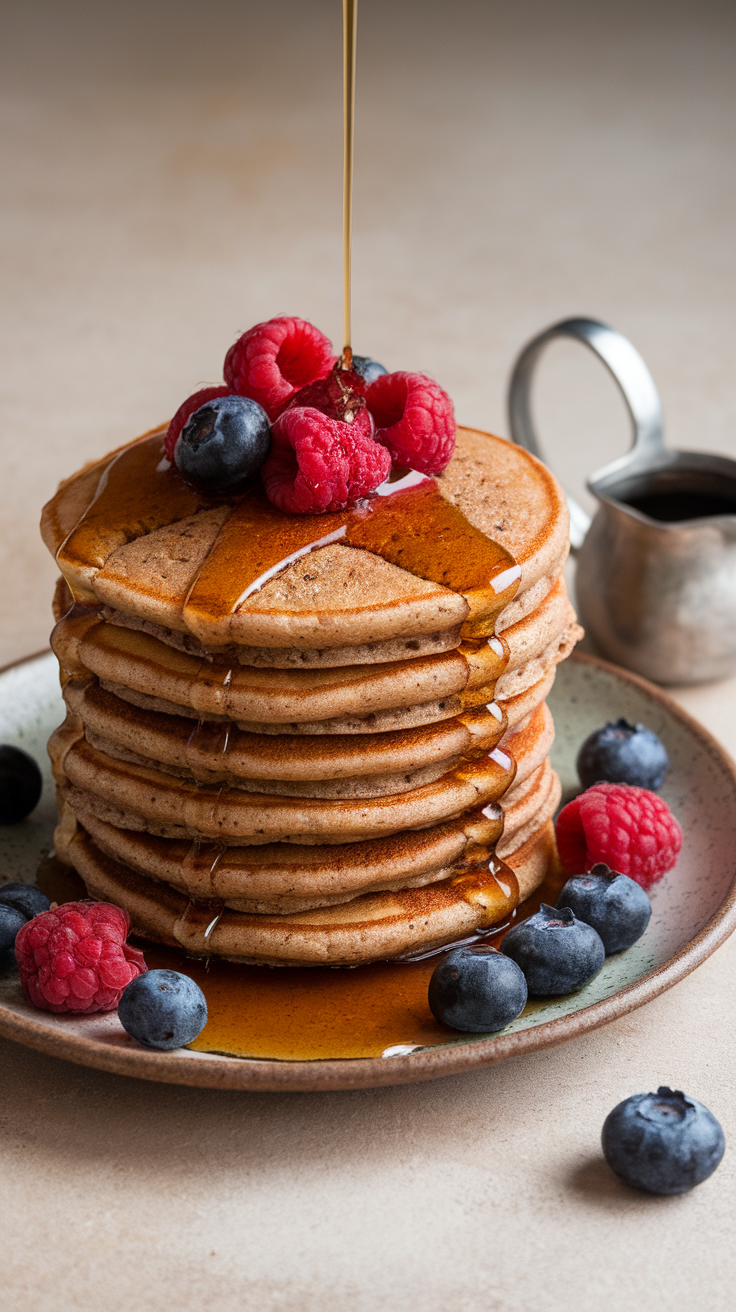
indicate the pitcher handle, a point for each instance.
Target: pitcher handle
{"x":630,"y":373}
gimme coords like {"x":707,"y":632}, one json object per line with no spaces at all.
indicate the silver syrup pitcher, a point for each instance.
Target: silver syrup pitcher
{"x":656,"y":570}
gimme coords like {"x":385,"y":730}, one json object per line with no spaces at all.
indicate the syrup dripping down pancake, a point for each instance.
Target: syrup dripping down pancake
{"x":373,"y":927}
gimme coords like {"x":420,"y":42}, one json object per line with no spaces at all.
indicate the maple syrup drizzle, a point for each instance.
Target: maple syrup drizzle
{"x":349,"y":47}
{"x":137,"y":493}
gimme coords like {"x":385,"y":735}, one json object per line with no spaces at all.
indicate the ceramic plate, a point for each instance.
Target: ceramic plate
{"x":694,"y":907}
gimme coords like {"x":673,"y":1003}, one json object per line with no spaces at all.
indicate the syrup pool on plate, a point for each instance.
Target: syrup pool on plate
{"x":315,"y":1013}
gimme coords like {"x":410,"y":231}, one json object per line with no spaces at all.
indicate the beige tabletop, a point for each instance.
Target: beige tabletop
{"x":171,"y":175}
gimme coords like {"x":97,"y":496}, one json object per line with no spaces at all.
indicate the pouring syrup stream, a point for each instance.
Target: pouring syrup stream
{"x":349,"y":38}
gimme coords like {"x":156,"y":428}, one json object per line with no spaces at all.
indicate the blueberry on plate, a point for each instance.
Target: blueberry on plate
{"x":615,"y":905}
{"x":477,"y":990}
{"x":223,"y":443}
{"x":20,"y":785}
{"x":368,"y":369}
{"x":11,"y":920}
{"x":163,"y":1009}
{"x":663,"y":1142}
{"x":557,"y":953}
{"x":623,"y":753}
{"x":26,"y":898}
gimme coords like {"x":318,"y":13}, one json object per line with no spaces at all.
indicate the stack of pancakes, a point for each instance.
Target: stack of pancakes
{"x":316,"y":767}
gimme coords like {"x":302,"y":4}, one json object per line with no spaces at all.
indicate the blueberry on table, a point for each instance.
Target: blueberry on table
{"x":557,"y":953}
{"x":20,"y":785}
{"x":663,"y":1142}
{"x":26,"y":898}
{"x":615,"y":905}
{"x":11,"y":920}
{"x":223,"y":443}
{"x":163,"y":1009}
{"x":477,"y":990}
{"x":623,"y":753}
{"x":368,"y":369}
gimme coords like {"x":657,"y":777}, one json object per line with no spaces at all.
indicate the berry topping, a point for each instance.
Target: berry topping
{"x":341,"y":395}
{"x":623,"y":753}
{"x":75,"y":958}
{"x":317,"y":464}
{"x":186,"y":409}
{"x":11,"y":920}
{"x":662,"y":1142}
{"x":275,"y":359}
{"x":557,"y":953}
{"x":477,"y":990}
{"x":223,"y":443}
{"x":616,"y":906}
{"x":415,"y":419}
{"x":629,"y":829}
{"x":20,"y":785}
{"x":25,"y":898}
{"x":368,"y":369}
{"x":163,"y":1009}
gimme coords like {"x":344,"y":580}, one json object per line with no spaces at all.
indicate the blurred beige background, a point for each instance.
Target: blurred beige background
{"x":170,"y":175}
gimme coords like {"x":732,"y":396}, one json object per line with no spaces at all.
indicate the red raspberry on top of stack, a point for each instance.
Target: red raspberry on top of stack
{"x":75,"y":958}
{"x":332,"y":439}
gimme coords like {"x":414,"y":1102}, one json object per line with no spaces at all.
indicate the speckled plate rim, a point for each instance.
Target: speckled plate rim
{"x":207,"y":1070}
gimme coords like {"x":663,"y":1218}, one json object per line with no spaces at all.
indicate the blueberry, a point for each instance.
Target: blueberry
{"x":623,"y":753}
{"x":368,"y":369}
{"x":11,"y":920}
{"x":662,"y":1142}
{"x":615,"y":905}
{"x":223,"y":443}
{"x":163,"y":1009}
{"x":557,"y":953}
{"x":25,"y":898}
{"x":477,"y":990}
{"x":20,"y":785}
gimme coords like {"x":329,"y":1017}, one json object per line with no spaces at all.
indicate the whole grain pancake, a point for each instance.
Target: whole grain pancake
{"x":213,"y":751}
{"x":225,"y":756}
{"x":138,"y":797}
{"x":372,"y":927}
{"x":511,"y":709}
{"x":279,"y":873}
{"x":125,"y":658}
{"x":141,"y":797}
{"x":280,"y":878}
{"x":146,"y":542}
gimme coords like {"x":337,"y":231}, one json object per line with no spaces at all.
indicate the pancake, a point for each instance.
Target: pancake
{"x":146,"y":539}
{"x":375,"y":926}
{"x":221,"y":753}
{"x":280,"y":878}
{"x":150,"y":799}
{"x":284,"y":873}
{"x":128,"y":659}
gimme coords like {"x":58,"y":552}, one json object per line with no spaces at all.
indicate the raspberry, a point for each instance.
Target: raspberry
{"x":630,"y":829}
{"x":339,"y":395}
{"x":75,"y":958}
{"x":415,"y":419}
{"x":318,"y":464}
{"x":186,"y":409}
{"x":274,"y":360}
